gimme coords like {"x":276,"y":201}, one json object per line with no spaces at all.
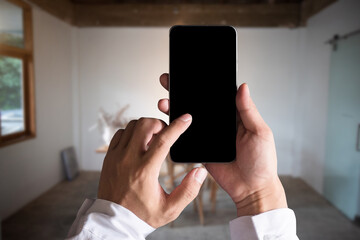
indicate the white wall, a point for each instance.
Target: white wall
{"x":118,"y":66}
{"x":340,"y":18}
{"x":122,"y":66}
{"x":268,"y":63}
{"x":29,"y":168}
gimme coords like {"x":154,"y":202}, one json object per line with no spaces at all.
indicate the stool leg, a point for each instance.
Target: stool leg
{"x":214,"y":188}
{"x":195,"y":205}
{"x":200,"y":209}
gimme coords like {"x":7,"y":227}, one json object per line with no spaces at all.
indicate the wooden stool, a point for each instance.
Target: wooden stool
{"x":198,"y":201}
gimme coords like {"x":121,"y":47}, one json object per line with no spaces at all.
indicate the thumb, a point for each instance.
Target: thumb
{"x":186,"y":191}
{"x":249,"y":115}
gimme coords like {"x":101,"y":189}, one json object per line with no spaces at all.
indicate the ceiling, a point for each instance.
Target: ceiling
{"x":185,"y":1}
{"x":147,"y":13}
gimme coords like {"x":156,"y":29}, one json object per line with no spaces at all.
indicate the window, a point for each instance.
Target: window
{"x":17,"y":113}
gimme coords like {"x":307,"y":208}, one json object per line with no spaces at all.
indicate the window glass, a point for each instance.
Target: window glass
{"x":11,"y":95}
{"x":11,"y":24}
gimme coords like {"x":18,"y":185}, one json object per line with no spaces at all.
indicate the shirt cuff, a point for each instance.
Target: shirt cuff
{"x":105,"y":219}
{"x":274,"y":224}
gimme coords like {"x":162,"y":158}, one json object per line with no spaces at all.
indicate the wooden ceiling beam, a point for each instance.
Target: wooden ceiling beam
{"x":270,"y":13}
{"x":239,"y":15}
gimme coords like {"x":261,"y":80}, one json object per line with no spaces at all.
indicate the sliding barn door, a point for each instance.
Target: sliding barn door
{"x":342,"y":164}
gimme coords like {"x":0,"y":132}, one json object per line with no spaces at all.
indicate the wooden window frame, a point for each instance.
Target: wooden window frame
{"x":26,"y":55}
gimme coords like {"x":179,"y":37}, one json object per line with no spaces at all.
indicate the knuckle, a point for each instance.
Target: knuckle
{"x":119,"y":132}
{"x":153,"y":121}
{"x":265,"y":131}
{"x":162,"y":141}
{"x":142,"y":121}
{"x":189,"y":193}
{"x":159,"y":124}
{"x":145,"y":123}
{"x":131,"y":123}
{"x":171,"y":213}
{"x":268,"y":132}
{"x":115,"y":139}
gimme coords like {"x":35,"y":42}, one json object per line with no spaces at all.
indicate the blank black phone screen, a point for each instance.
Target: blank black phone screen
{"x":203,"y":83}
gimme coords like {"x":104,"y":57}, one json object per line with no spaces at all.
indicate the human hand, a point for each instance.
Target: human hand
{"x":251,"y":180}
{"x":131,"y":168}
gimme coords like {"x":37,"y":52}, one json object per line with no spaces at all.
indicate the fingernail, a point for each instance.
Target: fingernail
{"x":200,"y":175}
{"x":186,"y":117}
{"x":247,"y":89}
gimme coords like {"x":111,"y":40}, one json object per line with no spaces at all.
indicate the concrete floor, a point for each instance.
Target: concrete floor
{"x":50,"y":216}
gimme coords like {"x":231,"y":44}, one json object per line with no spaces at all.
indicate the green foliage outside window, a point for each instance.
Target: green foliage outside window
{"x":10,"y":83}
{"x":12,"y":39}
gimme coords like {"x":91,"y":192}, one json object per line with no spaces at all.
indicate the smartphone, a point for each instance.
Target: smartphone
{"x":202,"y":82}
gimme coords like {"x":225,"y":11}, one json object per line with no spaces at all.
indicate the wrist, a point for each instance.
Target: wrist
{"x":270,"y":197}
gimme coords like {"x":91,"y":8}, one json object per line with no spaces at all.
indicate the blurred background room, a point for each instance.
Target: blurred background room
{"x":72,"y":72}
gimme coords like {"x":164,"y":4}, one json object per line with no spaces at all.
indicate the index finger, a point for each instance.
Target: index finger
{"x":164,"y":80}
{"x":160,"y":146}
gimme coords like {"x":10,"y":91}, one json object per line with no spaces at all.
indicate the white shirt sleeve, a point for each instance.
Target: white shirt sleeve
{"x":279,"y":224}
{"x":101,"y":219}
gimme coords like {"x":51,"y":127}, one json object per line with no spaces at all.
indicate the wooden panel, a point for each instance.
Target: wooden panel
{"x":253,"y":15}
{"x":28,"y":29}
{"x":63,"y":9}
{"x":242,"y":13}
{"x":185,"y":1}
{"x":29,"y":84}
{"x":13,"y":51}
